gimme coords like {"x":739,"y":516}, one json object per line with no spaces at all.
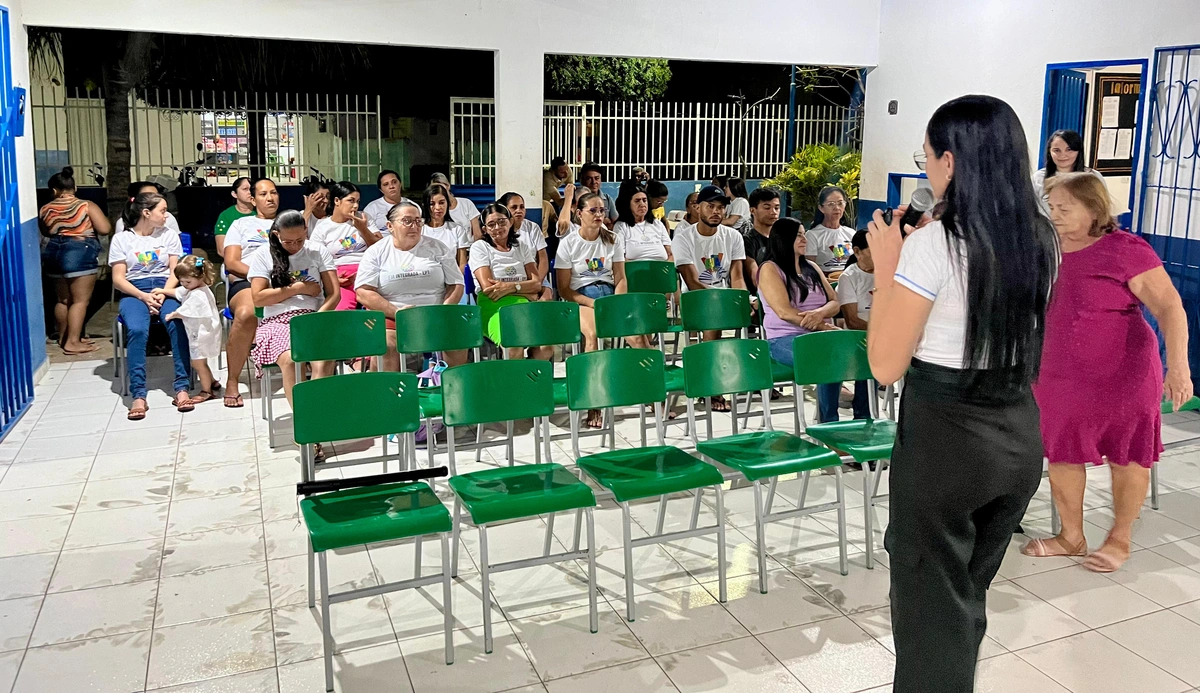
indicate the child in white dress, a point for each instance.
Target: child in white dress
{"x":200,"y":316}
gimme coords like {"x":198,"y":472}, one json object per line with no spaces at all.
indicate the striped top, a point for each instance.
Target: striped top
{"x":67,"y":216}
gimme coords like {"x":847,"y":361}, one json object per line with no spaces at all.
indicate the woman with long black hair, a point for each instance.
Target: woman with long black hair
{"x":346,"y":233}
{"x":959,"y":311}
{"x":1064,"y":154}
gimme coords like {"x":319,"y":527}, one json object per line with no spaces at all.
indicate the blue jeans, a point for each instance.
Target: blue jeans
{"x":827,"y":394}
{"x":136,"y":316}
{"x":597,"y":290}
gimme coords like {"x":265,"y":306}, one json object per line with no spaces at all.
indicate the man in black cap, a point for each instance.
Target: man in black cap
{"x":710,"y":255}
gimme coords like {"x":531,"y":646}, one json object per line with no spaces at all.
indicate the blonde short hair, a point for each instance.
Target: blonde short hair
{"x":1091,"y":192}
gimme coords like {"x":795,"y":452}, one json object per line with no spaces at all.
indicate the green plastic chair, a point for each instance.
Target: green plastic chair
{"x":836,"y":356}
{"x":384,"y":403}
{"x":734,"y":366}
{"x":501,"y":391}
{"x":651,"y":276}
{"x":634,"y":377}
{"x":335,"y":335}
{"x":423,"y":329}
{"x":715,"y":309}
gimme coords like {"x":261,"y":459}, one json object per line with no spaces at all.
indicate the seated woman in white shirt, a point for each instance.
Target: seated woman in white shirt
{"x":142,"y":187}
{"x":440,"y":227}
{"x":855,"y":290}
{"x":346,"y":233}
{"x":530,"y":235}
{"x":828,"y":240}
{"x":505,"y":271}
{"x":295,"y":276}
{"x":645,"y":237}
{"x":392,"y":189}
{"x":737,"y":214}
{"x":406,"y":270}
{"x":462,"y":210}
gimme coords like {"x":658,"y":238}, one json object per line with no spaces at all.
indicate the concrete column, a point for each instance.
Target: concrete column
{"x":519,"y":94}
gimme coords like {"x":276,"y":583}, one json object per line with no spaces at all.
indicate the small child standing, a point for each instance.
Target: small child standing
{"x":198,"y":311}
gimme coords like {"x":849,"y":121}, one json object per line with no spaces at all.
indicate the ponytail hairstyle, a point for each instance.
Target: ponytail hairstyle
{"x":137,"y":204}
{"x":340,"y":191}
{"x":63,"y":181}
{"x":196,"y":267}
{"x":498,"y":207}
{"x":281,"y":260}
{"x":859,"y":242}
{"x":606,"y":234}
{"x":781,"y":249}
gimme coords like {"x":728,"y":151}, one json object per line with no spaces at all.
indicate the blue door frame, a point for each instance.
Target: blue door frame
{"x":16,"y":369}
{"x":1048,"y":117}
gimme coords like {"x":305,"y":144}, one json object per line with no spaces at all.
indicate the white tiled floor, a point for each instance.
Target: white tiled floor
{"x":168,"y":555}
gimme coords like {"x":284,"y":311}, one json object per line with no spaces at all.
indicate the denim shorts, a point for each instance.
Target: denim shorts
{"x":597,"y":290}
{"x":67,"y":257}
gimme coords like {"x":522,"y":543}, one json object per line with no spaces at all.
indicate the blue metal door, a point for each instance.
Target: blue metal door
{"x":16,"y":373}
{"x":1066,"y":104}
{"x":1168,"y":215}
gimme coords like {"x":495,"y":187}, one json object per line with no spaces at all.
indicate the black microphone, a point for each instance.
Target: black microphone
{"x":922,"y":201}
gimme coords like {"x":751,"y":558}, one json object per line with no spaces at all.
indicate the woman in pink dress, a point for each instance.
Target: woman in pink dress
{"x":1101,"y":384}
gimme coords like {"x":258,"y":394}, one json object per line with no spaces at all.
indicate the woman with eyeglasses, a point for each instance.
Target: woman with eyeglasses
{"x":959,"y":311}
{"x":346,"y":233}
{"x":408,"y":269}
{"x":590,"y":264}
{"x":505,"y":273}
{"x":828,"y":240}
{"x":530,"y":235}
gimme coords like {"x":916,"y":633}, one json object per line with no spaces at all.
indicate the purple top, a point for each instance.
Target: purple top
{"x":776,"y":326}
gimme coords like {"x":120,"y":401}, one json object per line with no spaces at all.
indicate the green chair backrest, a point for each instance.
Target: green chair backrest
{"x":438,"y":328}
{"x":623,"y":315}
{"x":615,"y":378}
{"x":1193,"y":404}
{"x":338,"y":335}
{"x":651,"y":276}
{"x":727,"y":366}
{"x":715,"y":309}
{"x":490,"y":391}
{"x":540,"y":323}
{"x":831,"y":357}
{"x":355,"y":405}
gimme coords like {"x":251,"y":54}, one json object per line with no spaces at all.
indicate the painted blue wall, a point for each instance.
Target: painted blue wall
{"x":31,"y":245}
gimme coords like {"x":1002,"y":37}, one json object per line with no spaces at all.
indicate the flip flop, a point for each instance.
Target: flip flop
{"x":186,"y":404}
{"x":1098,"y":562}
{"x":1042,"y":548}
{"x":720,"y":404}
{"x":588,"y":419}
{"x":137,"y":413}
{"x":203,"y":396}
{"x":86,"y":350}
{"x":234,"y":401}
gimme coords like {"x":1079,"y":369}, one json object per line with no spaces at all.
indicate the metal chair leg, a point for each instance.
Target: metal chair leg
{"x":841,"y":514}
{"x":447,"y":608}
{"x":1154,"y":486}
{"x":868,"y":505}
{"x":721,"y":586}
{"x":326,"y":627}
{"x":696,"y":508}
{"x":417,"y":558}
{"x":457,"y":529}
{"x":593,"y":615}
{"x":662,"y":515}
{"x":270,"y":408}
{"x":487,"y":591}
{"x":549,"y":540}
{"x":627,"y":544}
{"x":760,"y":535}
{"x":312,"y":579}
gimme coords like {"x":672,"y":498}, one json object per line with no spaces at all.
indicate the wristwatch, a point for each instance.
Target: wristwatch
{"x":518,"y":288}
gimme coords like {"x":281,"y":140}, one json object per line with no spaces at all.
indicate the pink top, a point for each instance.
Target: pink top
{"x":776,"y":326}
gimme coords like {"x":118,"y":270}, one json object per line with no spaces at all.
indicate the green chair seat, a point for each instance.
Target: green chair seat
{"x":372,"y":514}
{"x":430,"y":399}
{"x":863,"y":439}
{"x":768,"y":453}
{"x":1192,"y":404}
{"x":674,"y":378}
{"x":781,"y":373}
{"x":648,"y":472}
{"x":509,"y":493}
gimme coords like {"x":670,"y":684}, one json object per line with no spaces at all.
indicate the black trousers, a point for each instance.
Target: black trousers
{"x":968,"y":458}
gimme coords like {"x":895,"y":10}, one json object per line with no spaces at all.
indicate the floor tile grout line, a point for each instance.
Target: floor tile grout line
{"x":1097,"y":632}
{"x":158,"y":585}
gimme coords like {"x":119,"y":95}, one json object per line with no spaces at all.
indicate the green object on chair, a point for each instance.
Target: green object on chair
{"x":651,"y":276}
{"x":438,"y":328}
{"x":338,"y":335}
{"x":625,"y":315}
{"x":510,"y":493}
{"x":371,"y":514}
{"x":715,"y":309}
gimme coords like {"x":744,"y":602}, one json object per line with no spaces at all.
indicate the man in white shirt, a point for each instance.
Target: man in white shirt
{"x":591,"y":176}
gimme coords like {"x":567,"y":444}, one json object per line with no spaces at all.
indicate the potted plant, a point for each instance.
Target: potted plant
{"x":811,"y":169}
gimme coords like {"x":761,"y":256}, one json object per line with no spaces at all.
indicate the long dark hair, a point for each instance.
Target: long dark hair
{"x":281,"y":260}
{"x":138,"y":204}
{"x":822,"y":197}
{"x":499,"y":208}
{"x":1073,"y":141}
{"x":782,"y":251}
{"x":858,"y":242}
{"x":992,"y":216}
{"x":624,"y":202}
{"x":339,"y":191}
{"x":426,"y":211}
{"x":606,"y":233}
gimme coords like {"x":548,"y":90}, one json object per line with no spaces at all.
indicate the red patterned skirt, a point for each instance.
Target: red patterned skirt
{"x":274,"y":337}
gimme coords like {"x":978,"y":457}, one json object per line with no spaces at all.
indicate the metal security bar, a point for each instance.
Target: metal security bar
{"x":673,"y":141}
{"x":214,"y":132}
{"x":16,"y":368}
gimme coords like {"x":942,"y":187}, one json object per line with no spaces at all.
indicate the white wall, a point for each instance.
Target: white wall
{"x":521,"y":31}
{"x":931,"y":51}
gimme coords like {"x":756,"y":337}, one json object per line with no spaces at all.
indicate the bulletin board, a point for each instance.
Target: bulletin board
{"x":1114,"y":121}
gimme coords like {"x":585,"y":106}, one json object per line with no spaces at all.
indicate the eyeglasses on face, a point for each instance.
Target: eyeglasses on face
{"x":410,"y":222}
{"x":497,"y":224}
{"x":920,"y":159}
{"x":595,"y":210}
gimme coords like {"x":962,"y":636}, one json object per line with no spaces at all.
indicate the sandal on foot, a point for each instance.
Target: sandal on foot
{"x":1099,"y":562}
{"x":318,"y":453}
{"x":588,"y":420}
{"x":203,"y":396}
{"x":720,"y":404}
{"x":137,"y":413}
{"x":183,"y":401}
{"x":1054,"y":546}
{"x":234,"y":401}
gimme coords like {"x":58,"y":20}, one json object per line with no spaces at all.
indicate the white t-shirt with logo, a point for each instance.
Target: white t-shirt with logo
{"x":251,"y":234}
{"x":507,"y":266}
{"x":450,"y":234}
{"x":530,"y":236}
{"x":416,"y":277}
{"x":343,"y":241}
{"x":307,"y":264}
{"x":831,"y":247}
{"x":145,"y":257}
{"x":590,"y":262}
{"x":712,"y":256}
{"x":857,"y":286}
{"x":376,"y":213}
{"x":929,"y":268}
{"x":646,"y":240}
{"x":464,"y":212}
